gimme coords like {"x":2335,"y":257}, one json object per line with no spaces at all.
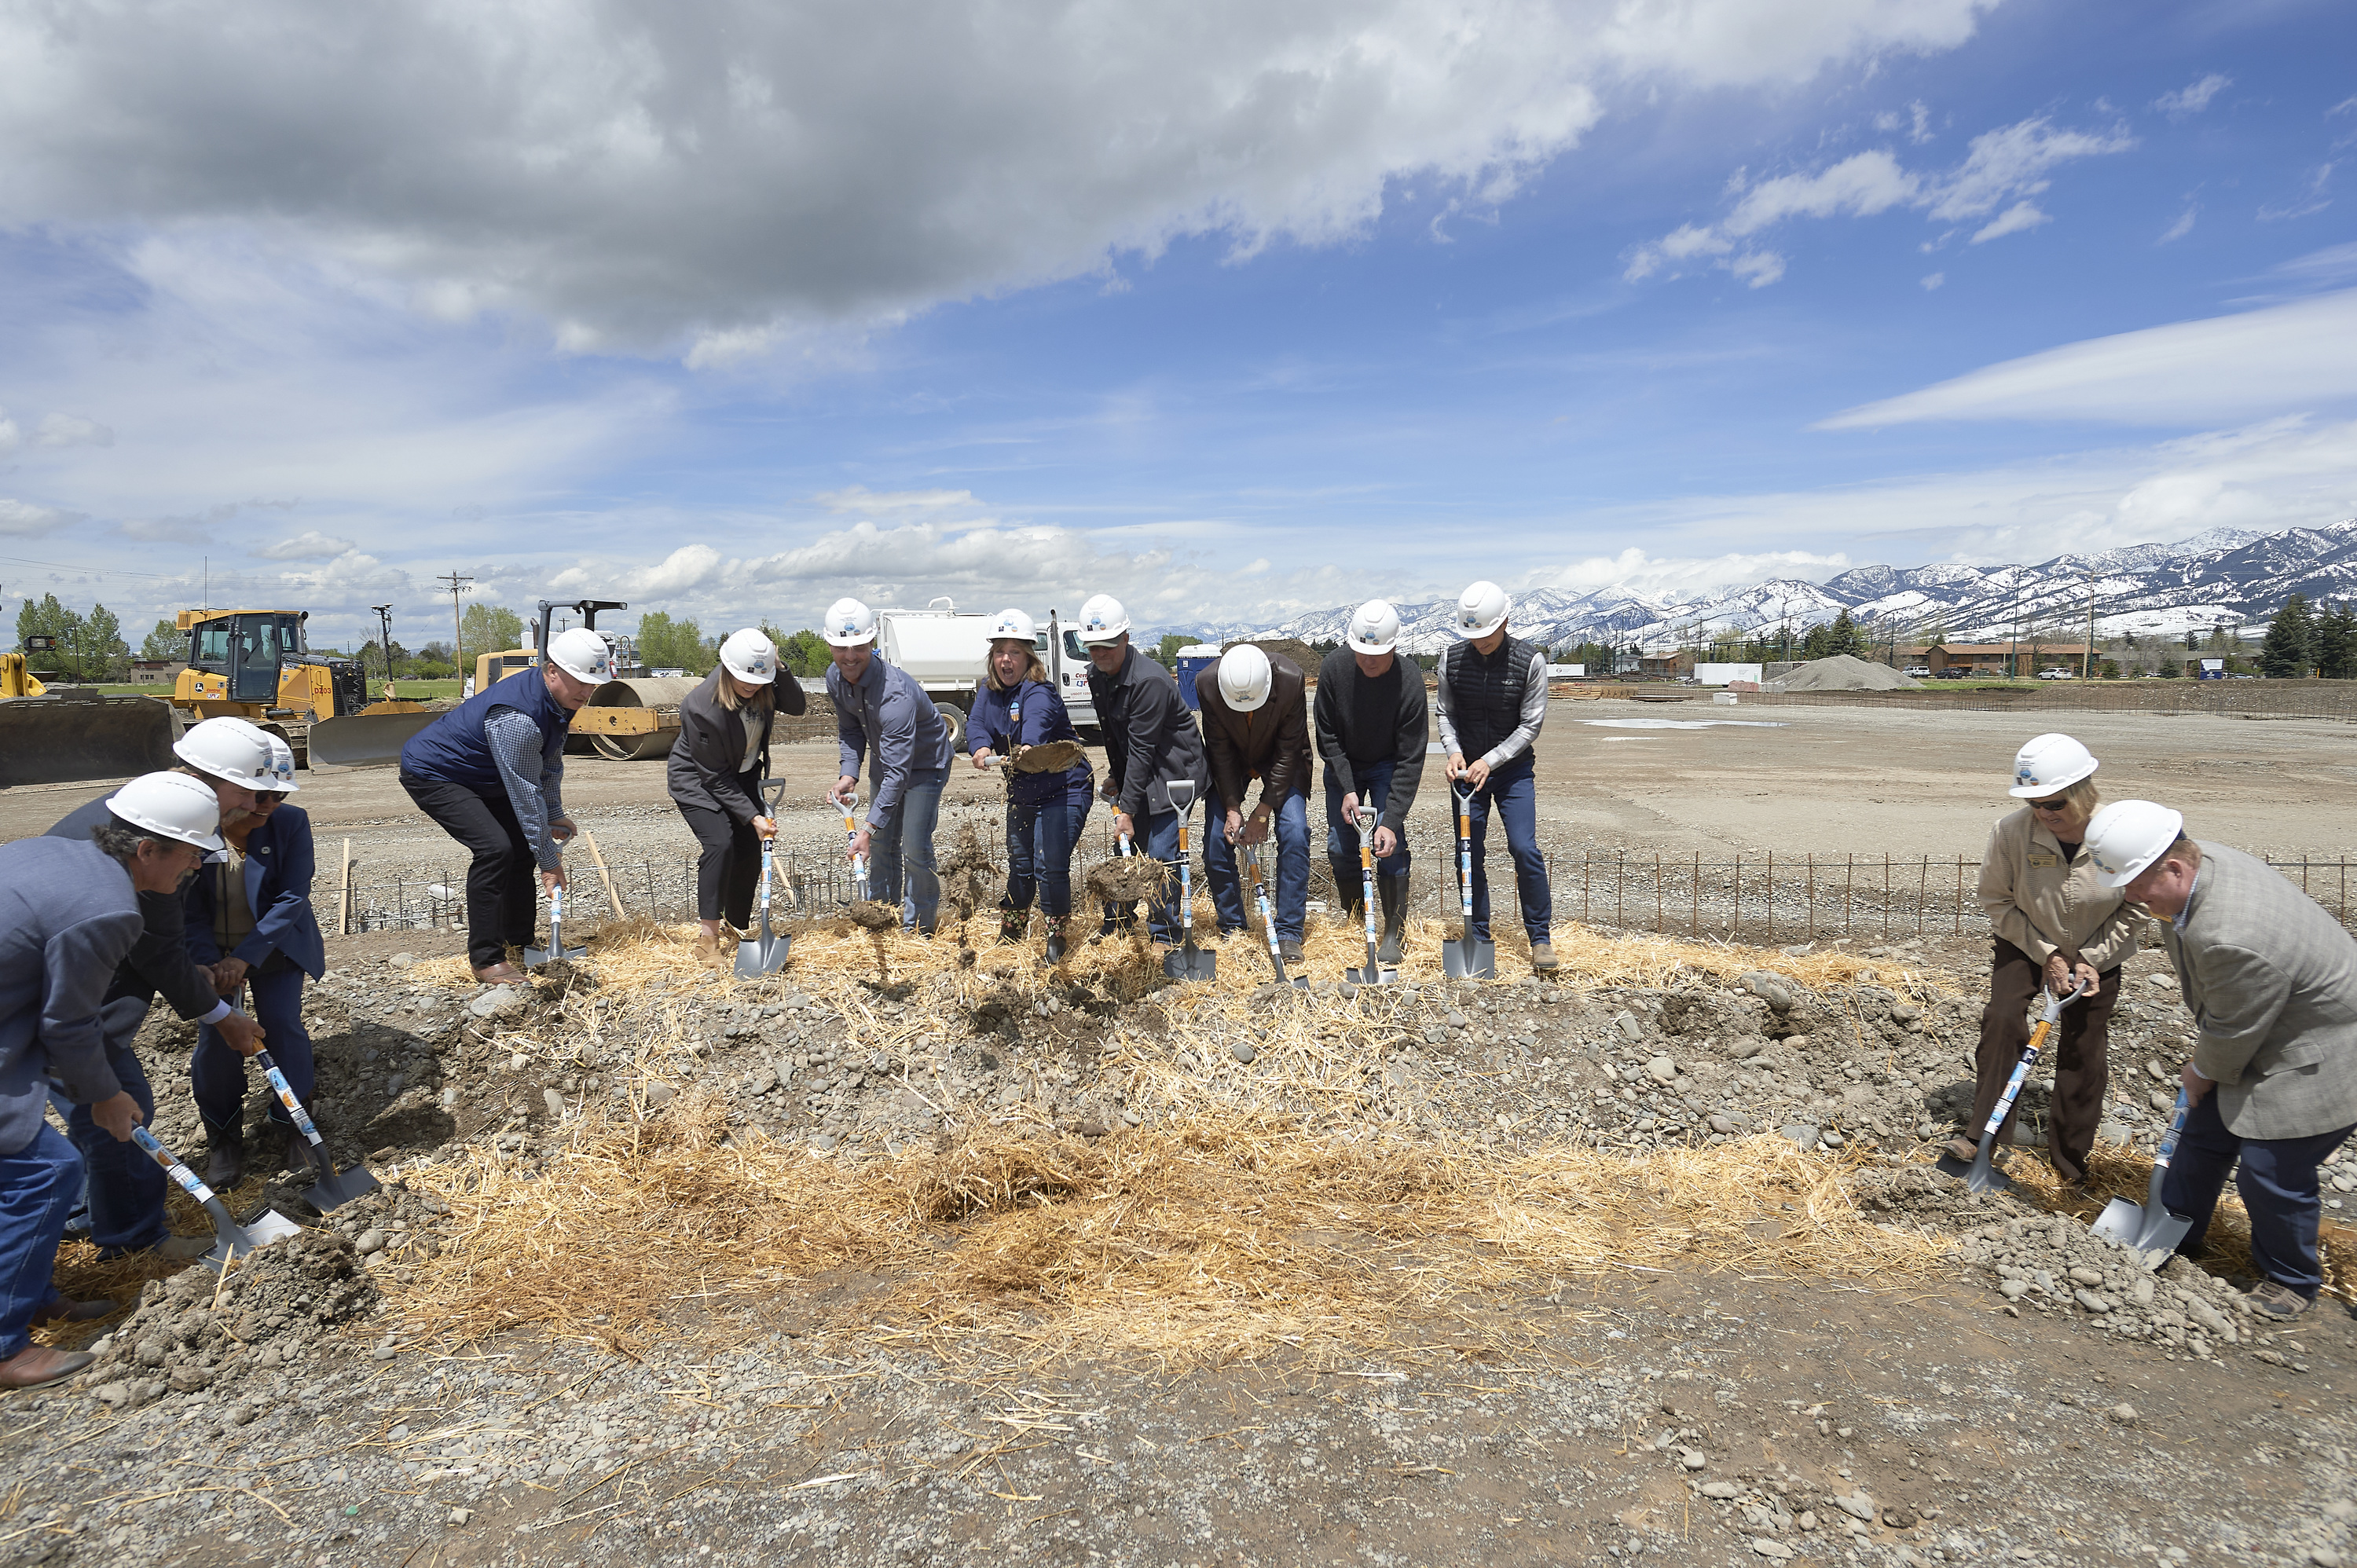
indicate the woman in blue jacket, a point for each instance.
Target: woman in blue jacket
{"x":1016,"y":705}
{"x":250,"y":920}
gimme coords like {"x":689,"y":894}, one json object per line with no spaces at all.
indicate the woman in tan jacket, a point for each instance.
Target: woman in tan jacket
{"x":2057,"y":926}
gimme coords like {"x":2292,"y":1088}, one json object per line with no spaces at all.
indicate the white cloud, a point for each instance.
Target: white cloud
{"x":2261,"y":362}
{"x":1757,"y":268}
{"x":2014,"y":220}
{"x":2011,"y":161}
{"x":1916,"y":124}
{"x":2181,"y":227}
{"x":2193,"y":98}
{"x":308,"y":545}
{"x":10,"y":436}
{"x":1932,"y":280}
{"x":23,"y":520}
{"x":72,"y":429}
{"x":642,"y":174}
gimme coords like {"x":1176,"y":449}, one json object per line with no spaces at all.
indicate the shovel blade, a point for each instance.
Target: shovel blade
{"x":2121,"y":1220}
{"x":1469,"y":959}
{"x":1192,"y":962}
{"x":332,"y":1188}
{"x":549,"y":955}
{"x":1980,"y":1175}
{"x":2159,"y":1237}
{"x":757,"y":956}
{"x":234,"y":1241}
{"x":1371,"y":975}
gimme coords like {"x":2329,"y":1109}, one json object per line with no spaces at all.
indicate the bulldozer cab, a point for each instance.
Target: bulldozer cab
{"x":250,"y":650}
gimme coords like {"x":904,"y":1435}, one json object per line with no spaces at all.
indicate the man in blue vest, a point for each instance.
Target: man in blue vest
{"x":881,"y":714}
{"x":1493,"y":696}
{"x":489,"y":771}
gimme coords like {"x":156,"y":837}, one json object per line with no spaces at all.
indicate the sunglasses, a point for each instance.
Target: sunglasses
{"x":2059,"y":804}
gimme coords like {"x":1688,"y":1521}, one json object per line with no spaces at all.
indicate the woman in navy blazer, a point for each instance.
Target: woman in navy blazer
{"x":283,"y":946}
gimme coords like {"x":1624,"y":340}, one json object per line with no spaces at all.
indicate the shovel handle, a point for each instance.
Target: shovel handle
{"x":285,"y":1092}
{"x":2167,"y":1150}
{"x":189,"y":1181}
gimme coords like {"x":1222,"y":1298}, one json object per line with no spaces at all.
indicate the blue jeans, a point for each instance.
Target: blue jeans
{"x":217,"y":1074}
{"x":1040,"y":841}
{"x":39,"y":1184}
{"x":906,"y":843}
{"x":2278,"y":1183}
{"x":1513,"y":790}
{"x":1374,"y":781}
{"x":1290,"y":829}
{"x":126,"y":1187}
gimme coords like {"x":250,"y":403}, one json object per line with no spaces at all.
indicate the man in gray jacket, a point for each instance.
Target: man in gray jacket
{"x":883,"y":718}
{"x":69,"y":914}
{"x":2272,"y":981}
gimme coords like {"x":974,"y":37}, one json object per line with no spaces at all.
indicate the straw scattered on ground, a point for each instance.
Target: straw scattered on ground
{"x":1218,"y":1237}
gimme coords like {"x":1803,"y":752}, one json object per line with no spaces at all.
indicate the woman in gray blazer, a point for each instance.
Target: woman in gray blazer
{"x":717,"y":768}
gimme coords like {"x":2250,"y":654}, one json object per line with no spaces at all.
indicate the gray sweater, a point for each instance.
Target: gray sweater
{"x":68,"y":918}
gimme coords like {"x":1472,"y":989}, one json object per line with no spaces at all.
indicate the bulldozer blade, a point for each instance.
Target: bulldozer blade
{"x":364,"y":740}
{"x":67,"y":738}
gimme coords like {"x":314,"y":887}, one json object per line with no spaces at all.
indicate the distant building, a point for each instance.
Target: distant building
{"x":1994,"y":660}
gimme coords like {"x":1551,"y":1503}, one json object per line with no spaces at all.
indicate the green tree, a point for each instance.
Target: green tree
{"x":1166,"y":654}
{"x":167,"y":642}
{"x":2170,"y":667}
{"x":51,"y":619}
{"x":2289,"y":650}
{"x":2336,"y":642}
{"x":668,"y":644}
{"x":488,"y":629}
{"x":1844,"y":637}
{"x":100,"y":652}
{"x":1818,"y":643}
{"x":803,"y":653}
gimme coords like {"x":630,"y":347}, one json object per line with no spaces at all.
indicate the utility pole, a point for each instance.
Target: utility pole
{"x":457,"y":586}
{"x":2087,"y":662}
{"x":384,"y":641}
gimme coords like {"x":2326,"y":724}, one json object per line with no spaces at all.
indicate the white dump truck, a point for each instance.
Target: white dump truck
{"x":946,"y":648}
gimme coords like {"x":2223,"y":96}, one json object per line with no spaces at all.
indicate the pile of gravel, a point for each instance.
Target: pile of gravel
{"x":2058,"y":1267}
{"x":195,"y":1330}
{"x":1842,"y":672}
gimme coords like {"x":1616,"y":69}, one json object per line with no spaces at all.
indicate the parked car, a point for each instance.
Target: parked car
{"x":2058,"y":674}
{"x":1919,"y":670}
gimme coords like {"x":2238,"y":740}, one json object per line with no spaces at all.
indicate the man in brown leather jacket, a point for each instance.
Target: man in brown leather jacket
{"x":1256,"y":725}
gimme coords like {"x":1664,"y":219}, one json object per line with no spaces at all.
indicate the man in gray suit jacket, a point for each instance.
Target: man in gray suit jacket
{"x":2272,"y":981}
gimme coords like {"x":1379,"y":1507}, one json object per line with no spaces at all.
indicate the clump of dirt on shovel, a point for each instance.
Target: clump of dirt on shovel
{"x":872,"y":915}
{"x":1126,"y":879}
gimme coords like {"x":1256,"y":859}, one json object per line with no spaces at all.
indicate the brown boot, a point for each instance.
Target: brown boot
{"x":1542,"y":959}
{"x":38,"y":1366}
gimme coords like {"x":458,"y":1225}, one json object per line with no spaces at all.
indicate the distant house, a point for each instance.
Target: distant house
{"x":1665,"y":666}
{"x":162,"y":671}
{"x":1994,"y":661}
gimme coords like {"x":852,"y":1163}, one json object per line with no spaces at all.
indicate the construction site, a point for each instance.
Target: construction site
{"x":923,"y":1250}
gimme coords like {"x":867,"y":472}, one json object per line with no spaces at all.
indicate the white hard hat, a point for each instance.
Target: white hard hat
{"x":282,"y":766}
{"x":230,"y":749}
{"x":1244,"y":677}
{"x":2128,"y":836}
{"x":581,"y":654}
{"x":1102,"y":619}
{"x":1014,"y":623}
{"x":848,"y":624}
{"x":1481,"y":609}
{"x":1374,"y":627}
{"x":171,"y":806}
{"x":2047,"y":764}
{"x":751,"y":656}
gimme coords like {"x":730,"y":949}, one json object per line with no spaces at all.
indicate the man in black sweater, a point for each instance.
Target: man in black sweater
{"x":1493,"y":697}
{"x":1371,"y":729}
{"x":1150,"y":742}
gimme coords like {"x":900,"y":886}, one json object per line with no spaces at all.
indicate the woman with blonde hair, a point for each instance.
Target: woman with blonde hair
{"x":2056,"y":927}
{"x":1015,"y":707}
{"x":717,"y":768}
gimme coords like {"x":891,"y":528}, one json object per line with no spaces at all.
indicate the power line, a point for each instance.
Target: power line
{"x":97,"y":571}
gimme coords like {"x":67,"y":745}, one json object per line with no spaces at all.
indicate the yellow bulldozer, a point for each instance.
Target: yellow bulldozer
{"x":68,"y":734}
{"x":257,"y":665}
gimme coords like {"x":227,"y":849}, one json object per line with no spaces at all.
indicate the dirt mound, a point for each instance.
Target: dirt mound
{"x":1126,"y":879}
{"x":875,"y":916}
{"x":1842,"y":672}
{"x":2057,"y":1266}
{"x":197,"y":1328}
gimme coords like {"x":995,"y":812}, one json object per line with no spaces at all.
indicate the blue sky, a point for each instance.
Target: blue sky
{"x":728,"y":309}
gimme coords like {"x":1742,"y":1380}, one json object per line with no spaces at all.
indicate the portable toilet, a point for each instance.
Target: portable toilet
{"x":1193,"y":660}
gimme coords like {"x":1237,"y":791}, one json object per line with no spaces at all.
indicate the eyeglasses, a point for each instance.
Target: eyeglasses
{"x":2059,"y":804}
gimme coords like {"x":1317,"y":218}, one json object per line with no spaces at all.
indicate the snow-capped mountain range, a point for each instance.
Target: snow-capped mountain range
{"x":2224,"y":577}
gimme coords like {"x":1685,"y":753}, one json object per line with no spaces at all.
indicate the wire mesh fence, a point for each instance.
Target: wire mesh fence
{"x":1765,"y":899}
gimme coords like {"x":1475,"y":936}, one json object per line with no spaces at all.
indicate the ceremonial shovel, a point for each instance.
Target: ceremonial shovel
{"x":765,"y":954}
{"x":1981,"y":1175}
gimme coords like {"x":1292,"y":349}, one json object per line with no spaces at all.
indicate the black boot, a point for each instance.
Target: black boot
{"x":1057,"y":943}
{"x":1014,"y":924}
{"x":1393,"y":891}
{"x":224,"y":1157}
{"x":1349,"y":889}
